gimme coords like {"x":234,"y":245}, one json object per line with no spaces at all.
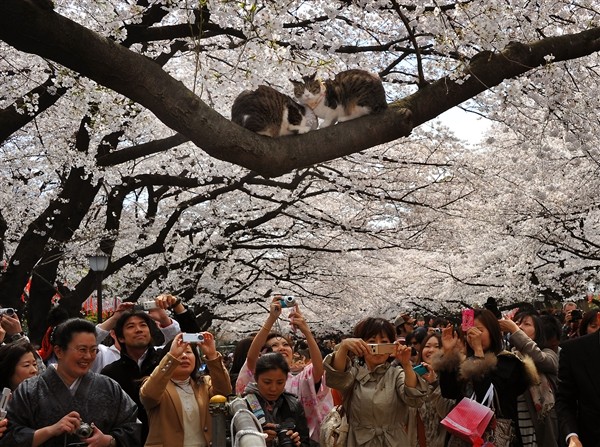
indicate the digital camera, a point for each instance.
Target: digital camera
{"x":4,"y":402}
{"x":192,"y":338}
{"x":382,"y":348}
{"x":282,"y":437}
{"x":287,"y":301}
{"x":7,"y":311}
{"x":148,"y":305}
{"x":84,"y":430}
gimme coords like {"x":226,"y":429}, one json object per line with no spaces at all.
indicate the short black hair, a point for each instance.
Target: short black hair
{"x":372,"y":326}
{"x":269,"y":362}
{"x":63,"y":333}
{"x":123,"y":319}
{"x":10,"y":355}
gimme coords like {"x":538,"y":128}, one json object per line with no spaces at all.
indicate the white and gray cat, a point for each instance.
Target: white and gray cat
{"x":351,"y":94}
{"x":269,"y":112}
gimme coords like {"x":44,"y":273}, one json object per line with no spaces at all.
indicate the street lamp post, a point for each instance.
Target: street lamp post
{"x":98,"y":264}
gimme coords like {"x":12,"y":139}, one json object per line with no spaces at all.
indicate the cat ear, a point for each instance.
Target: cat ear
{"x":294,"y":82}
{"x":313,"y":76}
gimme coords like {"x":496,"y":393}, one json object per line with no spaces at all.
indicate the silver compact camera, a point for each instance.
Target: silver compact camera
{"x":148,"y":305}
{"x":84,"y":430}
{"x":287,"y":301}
{"x":4,"y":402}
{"x":382,"y":348}
{"x":8,"y":311}
{"x":192,"y":338}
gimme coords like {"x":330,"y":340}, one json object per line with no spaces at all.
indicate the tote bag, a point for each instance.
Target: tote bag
{"x":334,"y":428}
{"x":469,"y":419}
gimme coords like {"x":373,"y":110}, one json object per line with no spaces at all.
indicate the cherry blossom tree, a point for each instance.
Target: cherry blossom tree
{"x":115,"y":134}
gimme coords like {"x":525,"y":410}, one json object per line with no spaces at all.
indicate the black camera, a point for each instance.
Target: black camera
{"x":84,"y":430}
{"x":283,"y":440}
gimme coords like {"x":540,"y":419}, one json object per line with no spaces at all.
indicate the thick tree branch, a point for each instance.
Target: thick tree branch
{"x":16,"y":115}
{"x":32,"y":29}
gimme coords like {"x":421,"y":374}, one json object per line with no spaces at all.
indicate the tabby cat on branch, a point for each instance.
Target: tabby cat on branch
{"x":351,"y":94}
{"x":269,"y":112}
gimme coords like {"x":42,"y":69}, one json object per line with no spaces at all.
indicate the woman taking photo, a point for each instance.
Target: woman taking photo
{"x":537,"y":419}
{"x":486,"y":363}
{"x":424,"y":426}
{"x":68,"y":402}
{"x":282,"y":412}
{"x":176,"y":395}
{"x":309,"y":384}
{"x":376,"y":395}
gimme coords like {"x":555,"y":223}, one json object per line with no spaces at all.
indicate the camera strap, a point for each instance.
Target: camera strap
{"x":255,"y":407}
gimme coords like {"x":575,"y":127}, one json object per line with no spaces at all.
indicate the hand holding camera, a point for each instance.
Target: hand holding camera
{"x":284,"y":434}
{"x":382,"y":348}
{"x":10,"y":321}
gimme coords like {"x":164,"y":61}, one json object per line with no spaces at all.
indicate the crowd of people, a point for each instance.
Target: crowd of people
{"x":137,"y":380}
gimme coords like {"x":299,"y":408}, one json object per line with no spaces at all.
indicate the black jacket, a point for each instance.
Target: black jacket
{"x":129,"y":375}
{"x":578,"y":395}
{"x":285,"y":410}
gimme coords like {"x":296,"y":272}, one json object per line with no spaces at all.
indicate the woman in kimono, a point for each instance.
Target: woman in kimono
{"x":68,"y":402}
{"x":376,"y":395}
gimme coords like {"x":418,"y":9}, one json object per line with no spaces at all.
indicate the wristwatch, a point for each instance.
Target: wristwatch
{"x":14,"y":337}
{"x":175,"y":304}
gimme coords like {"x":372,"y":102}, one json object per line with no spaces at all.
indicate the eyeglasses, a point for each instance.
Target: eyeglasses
{"x":83,"y":350}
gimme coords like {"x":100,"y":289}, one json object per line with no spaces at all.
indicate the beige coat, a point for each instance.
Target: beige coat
{"x":161,"y":401}
{"x":379,"y":403}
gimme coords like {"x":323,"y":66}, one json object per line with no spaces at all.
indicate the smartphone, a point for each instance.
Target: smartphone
{"x":468,"y":319}
{"x":420,"y":369}
{"x":192,"y":338}
{"x":382,"y":348}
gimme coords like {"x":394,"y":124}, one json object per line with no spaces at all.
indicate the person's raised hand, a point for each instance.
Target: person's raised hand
{"x":209,"y":346}
{"x":449,"y":338}
{"x":11,"y":324}
{"x":178,"y":346}
{"x":275,"y":306}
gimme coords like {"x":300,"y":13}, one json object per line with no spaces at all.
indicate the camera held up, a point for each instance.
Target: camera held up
{"x":287,"y":301}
